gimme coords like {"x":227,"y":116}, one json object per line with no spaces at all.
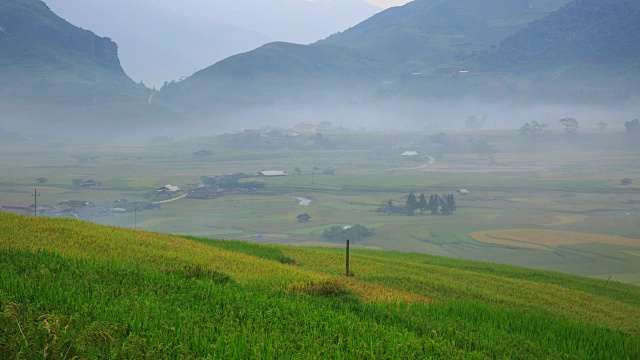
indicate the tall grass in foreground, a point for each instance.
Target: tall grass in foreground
{"x":59,"y":307}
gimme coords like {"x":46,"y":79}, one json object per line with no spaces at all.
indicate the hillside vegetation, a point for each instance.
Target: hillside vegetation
{"x":582,"y":32}
{"x":73,"y":289}
{"x":47,"y":60}
{"x":283,"y":72}
{"x":60,"y":79}
{"x":586,"y":50}
{"x":431,"y":33}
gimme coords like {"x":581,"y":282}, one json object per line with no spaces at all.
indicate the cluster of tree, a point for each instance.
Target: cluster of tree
{"x":342,"y":233}
{"x":571,"y":127}
{"x":534,"y":129}
{"x":232,"y":182}
{"x":475,"y":123}
{"x":632,"y":127}
{"x":437,"y":204}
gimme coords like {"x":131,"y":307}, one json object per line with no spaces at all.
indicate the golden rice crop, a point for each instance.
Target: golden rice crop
{"x":76,"y":238}
{"x":541,"y":239}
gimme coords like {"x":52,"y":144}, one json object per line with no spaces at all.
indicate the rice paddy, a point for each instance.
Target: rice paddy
{"x":71,"y":289}
{"x":545,"y":239}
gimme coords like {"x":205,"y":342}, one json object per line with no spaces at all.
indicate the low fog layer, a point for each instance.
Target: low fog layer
{"x":428,"y":116}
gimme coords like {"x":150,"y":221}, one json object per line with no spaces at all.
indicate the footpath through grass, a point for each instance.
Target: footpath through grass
{"x":72,"y":289}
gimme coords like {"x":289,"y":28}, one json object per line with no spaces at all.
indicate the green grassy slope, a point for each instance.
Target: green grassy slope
{"x":73,"y":289}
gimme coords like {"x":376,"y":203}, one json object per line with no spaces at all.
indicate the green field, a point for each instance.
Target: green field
{"x":72,"y":289}
{"x":550,"y":184}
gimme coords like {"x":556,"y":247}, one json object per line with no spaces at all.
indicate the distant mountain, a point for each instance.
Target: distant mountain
{"x":59,"y":79}
{"x":278,"y":72}
{"x":159,"y":44}
{"x":163,"y":40}
{"x":586,"y":50}
{"x":45,"y":59}
{"x":353,"y":66}
{"x":424,"y":34}
{"x":582,"y":32}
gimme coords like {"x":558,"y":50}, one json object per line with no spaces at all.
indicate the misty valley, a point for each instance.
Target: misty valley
{"x":315,"y":179}
{"x":514,"y":191}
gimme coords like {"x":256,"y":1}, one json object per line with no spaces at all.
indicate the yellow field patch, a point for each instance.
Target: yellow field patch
{"x":543,"y":239}
{"x":633,"y":252}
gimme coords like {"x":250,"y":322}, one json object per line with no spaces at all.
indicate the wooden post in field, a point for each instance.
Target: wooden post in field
{"x":347,"y":258}
{"x":35,"y":201}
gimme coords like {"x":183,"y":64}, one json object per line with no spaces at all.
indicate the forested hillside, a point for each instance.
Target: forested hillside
{"x":427,"y":33}
{"x":582,"y":32}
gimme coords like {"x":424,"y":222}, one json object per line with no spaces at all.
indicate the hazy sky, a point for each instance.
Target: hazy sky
{"x":387,"y":3}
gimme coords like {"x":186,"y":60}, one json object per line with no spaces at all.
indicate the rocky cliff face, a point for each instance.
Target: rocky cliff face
{"x":29,"y":27}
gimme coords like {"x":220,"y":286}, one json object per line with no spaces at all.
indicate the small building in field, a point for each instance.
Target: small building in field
{"x":169,"y":188}
{"x":272,"y":173}
{"x":205,"y":193}
{"x":329,"y":171}
{"x":91,"y":183}
{"x":17,"y":208}
{"x":76,"y":203}
{"x":463,"y":191}
{"x":409,"y":153}
{"x":303,"y":218}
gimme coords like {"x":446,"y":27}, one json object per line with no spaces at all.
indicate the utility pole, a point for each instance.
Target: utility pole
{"x":347,"y":273}
{"x":35,"y":201}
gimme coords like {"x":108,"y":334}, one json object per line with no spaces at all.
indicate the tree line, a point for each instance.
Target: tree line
{"x":444,"y":204}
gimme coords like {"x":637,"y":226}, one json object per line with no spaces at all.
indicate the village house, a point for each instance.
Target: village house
{"x":463,"y":191}
{"x":19,"y":208}
{"x":329,"y":171}
{"x":409,"y":153}
{"x":272,"y":173}
{"x":91,"y":183}
{"x":205,"y":193}
{"x":166,"y":192}
{"x":169,"y":188}
{"x":16,"y":208}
